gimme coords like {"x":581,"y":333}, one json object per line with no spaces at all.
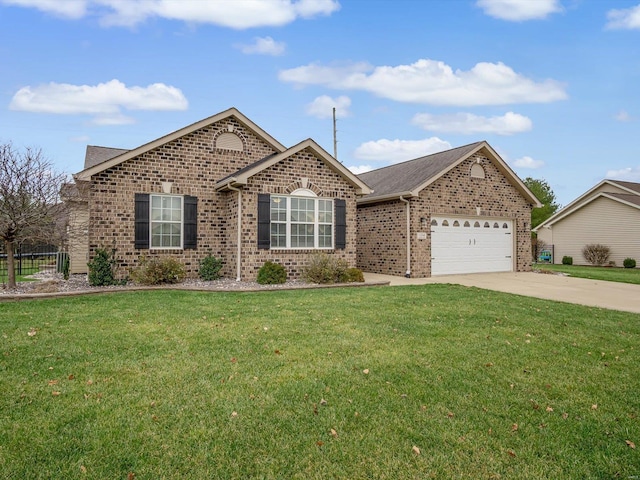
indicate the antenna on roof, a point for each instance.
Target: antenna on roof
{"x":335,"y":138}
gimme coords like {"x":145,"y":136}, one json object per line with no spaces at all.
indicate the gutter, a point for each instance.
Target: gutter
{"x":408,"y":273}
{"x":239,"y":244}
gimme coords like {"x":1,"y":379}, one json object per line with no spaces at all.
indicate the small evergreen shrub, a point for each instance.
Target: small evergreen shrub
{"x":324,"y":269}
{"x":567,"y":260}
{"x":159,"y":270}
{"x":102,"y":268}
{"x":596,"y":254}
{"x":629,"y":263}
{"x":354,"y":274}
{"x":66,"y":265}
{"x":210,"y":267}
{"x":271,"y":273}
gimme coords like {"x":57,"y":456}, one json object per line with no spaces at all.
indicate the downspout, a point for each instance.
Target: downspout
{"x":408,"y":273}
{"x":239,"y":244}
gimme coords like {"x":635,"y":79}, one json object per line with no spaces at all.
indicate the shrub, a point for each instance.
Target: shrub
{"x":596,"y":254}
{"x":102,"y":268}
{"x":354,"y":275}
{"x":66,"y":265}
{"x":271,"y":273}
{"x":629,"y":263}
{"x":210,"y":267}
{"x":159,"y":270}
{"x":325,"y":268}
{"x":567,"y":260}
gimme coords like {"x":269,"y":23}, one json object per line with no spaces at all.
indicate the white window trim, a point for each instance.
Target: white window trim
{"x":306,"y":194}
{"x":151,"y":222}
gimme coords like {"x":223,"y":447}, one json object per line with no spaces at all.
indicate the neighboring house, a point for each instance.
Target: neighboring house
{"x":459,"y":211}
{"x":221,"y":186}
{"x":608,"y":214}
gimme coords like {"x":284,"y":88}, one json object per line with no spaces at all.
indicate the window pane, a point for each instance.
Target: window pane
{"x":302,"y":236}
{"x":166,"y":221}
{"x":278,"y":235}
{"x":325,"y":236}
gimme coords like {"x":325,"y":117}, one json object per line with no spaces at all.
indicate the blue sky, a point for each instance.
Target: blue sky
{"x":552,"y":85}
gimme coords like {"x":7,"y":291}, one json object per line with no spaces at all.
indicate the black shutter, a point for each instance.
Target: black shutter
{"x":190,"y":223}
{"x":264,"y":221}
{"x":341,"y":223}
{"x":142,"y":220}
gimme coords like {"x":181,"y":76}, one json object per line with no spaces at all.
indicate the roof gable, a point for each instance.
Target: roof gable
{"x":408,"y":179}
{"x":629,"y":198}
{"x":87,"y":173}
{"x":96,"y":155}
{"x":241,"y":177}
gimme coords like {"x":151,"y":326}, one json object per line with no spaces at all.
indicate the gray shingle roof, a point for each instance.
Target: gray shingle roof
{"x":248,"y":167}
{"x":409,"y":175}
{"x":96,"y":155}
{"x":630,"y":185}
{"x":627,"y":197}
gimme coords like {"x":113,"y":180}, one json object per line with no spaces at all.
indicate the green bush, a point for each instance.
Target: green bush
{"x":566,"y":260}
{"x":271,"y":273}
{"x":159,"y":270}
{"x":596,"y":254}
{"x":354,"y":274}
{"x":102,"y":268}
{"x":325,"y":268}
{"x":210,"y":267}
{"x":629,"y":263}
{"x":66,"y":265}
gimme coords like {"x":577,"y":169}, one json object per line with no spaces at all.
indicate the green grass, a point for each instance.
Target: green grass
{"x":147,"y":383}
{"x":610,"y":274}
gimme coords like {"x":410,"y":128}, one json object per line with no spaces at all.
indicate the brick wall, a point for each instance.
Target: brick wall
{"x":193,"y":166}
{"x":382,"y":227}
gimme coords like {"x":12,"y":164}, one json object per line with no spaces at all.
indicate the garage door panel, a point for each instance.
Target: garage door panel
{"x":486,"y":245}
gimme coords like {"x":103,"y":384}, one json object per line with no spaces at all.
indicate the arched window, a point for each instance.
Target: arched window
{"x":230,"y":141}
{"x":434,"y":223}
{"x":456,"y":223}
{"x":445,"y":223}
{"x":486,"y":225}
{"x":467,"y":224}
{"x":495,"y":225}
{"x":476,"y":225}
{"x":477,"y":171}
{"x":504,"y":225}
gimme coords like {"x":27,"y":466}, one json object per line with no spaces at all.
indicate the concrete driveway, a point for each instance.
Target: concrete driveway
{"x":593,"y":293}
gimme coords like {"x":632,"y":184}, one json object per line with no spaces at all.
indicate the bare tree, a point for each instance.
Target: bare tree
{"x":29,"y":206}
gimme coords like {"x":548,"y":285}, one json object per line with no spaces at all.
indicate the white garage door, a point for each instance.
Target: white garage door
{"x":471,"y":245}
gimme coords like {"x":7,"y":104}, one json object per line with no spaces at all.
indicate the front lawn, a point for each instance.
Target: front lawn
{"x":433,"y":381}
{"x":610,"y":274}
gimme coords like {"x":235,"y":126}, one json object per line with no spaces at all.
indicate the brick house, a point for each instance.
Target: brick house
{"x":459,"y":211}
{"x":222,"y":186}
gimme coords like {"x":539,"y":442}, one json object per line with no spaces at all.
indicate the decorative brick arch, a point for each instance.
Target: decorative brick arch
{"x":305,"y":184}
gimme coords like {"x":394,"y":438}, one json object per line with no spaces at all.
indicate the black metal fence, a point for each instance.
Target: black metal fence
{"x":30,"y":259}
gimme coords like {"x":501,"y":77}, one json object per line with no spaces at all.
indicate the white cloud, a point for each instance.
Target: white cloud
{"x":623,"y":116}
{"x":431,"y":82}
{"x":629,"y":174}
{"x":527,"y":162}
{"x":395,"y":151}
{"x":519,"y":10}
{"x":322,"y":107}
{"x":624,"y":19}
{"x":238,"y":14}
{"x":358,"y":169}
{"x":68,"y":9}
{"x":264,"y":46}
{"x":104,"y":100}
{"x":468,"y":123}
